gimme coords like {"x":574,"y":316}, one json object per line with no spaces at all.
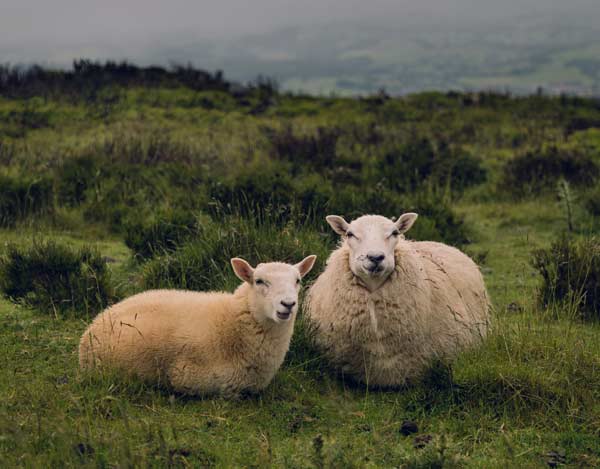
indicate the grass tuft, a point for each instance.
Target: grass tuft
{"x":55,"y":279}
{"x":203,"y":264}
{"x":570,"y":271}
{"x":537,"y":171}
{"x":23,"y":197}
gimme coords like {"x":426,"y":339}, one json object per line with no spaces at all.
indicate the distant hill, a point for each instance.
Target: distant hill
{"x":402,"y":47}
{"x":519,"y":55}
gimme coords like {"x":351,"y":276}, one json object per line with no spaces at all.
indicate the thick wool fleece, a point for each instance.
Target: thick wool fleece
{"x":433,"y":305}
{"x":198,"y":343}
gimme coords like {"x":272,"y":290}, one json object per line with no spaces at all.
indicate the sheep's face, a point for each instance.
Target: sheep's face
{"x":371,"y":240}
{"x":274,"y":287}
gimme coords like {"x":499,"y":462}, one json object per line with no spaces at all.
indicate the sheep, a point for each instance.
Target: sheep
{"x":202,"y":343}
{"x":385,"y":307}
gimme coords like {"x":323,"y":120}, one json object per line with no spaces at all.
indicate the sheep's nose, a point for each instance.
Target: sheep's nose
{"x":288,"y":303}
{"x":376,"y":257}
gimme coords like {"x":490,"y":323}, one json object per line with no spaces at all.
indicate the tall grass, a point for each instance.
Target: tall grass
{"x":570,"y":271}
{"x":24,"y":197}
{"x":203,"y":263}
{"x":55,"y":279}
{"x":536,"y":171}
{"x":162,"y":234}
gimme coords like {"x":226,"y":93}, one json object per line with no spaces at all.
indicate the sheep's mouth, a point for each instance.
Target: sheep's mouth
{"x":375,"y":269}
{"x":284,"y":315}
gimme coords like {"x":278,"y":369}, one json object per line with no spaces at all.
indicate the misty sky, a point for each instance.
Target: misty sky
{"x":56,"y":31}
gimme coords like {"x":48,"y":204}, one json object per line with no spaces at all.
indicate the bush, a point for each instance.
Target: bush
{"x":317,"y":153}
{"x":164,"y":234}
{"x":570,"y":272}
{"x":307,"y":151}
{"x":270,"y":193}
{"x":267,"y":191}
{"x":437,"y":221}
{"x":88,"y":78}
{"x":583,"y":119}
{"x":352,"y":203}
{"x":592,"y":203}
{"x":74,"y":177}
{"x":203,"y":264}
{"x":535,"y":172}
{"x":55,"y":279}
{"x":126,"y":193}
{"x":24,"y":197}
{"x":419,"y":163}
{"x":147,"y":150}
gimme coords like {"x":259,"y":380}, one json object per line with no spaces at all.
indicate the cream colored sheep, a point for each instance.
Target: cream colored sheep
{"x":385,"y":307}
{"x":202,"y":342}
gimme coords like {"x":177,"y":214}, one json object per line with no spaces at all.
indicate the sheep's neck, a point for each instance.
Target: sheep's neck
{"x":360,"y":282}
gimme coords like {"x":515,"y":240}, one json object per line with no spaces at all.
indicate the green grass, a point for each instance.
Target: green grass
{"x":532,"y":388}
{"x":527,"y":397}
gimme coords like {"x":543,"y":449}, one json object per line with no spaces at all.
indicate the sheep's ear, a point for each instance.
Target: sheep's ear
{"x":242,"y":269}
{"x":306,"y":265}
{"x":406,"y":221}
{"x":339,"y":225}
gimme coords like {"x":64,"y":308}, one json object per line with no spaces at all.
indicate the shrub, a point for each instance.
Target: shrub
{"x":146,"y":150}
{"x":257,"y":190}
{"x":570,"y":272}
{"x":582,"y":120}
{"x":125,"y":193}
{"x":317,"y":153}
{"x":203,"y":264}
{"x":22,"y":197}
{"x":163,"y":234}
{"x":419,"y":163}
{"x":535,"y":172}
{"x":88,"y":78}
{"x":55,"y":279}
{"x":592,"y":203}
{"x":271,"y":193}
{"x":307,"y":151}
{"x":351,"y":203}
{"x":74,"y":177}
{"x":437,"y":221}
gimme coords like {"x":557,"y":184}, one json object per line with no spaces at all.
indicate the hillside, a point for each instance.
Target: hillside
{"x":116,"y":179}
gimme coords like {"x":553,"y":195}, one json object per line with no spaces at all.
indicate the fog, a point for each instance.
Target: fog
{"x":322,"y":46}
{"x":57,"y":31}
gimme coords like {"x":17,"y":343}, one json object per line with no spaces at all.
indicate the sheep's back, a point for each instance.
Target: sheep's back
{"x":460,"y":304}
{"x":144,"y":333}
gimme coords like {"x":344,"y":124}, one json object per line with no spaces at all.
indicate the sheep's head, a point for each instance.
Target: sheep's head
{"x":274,"y":286}
{"x":371,"y":240}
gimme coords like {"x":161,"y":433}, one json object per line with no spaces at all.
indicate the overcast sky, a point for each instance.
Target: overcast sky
{"x":58,"y":30}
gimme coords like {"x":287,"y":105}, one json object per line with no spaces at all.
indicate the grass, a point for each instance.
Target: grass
{"x":527,"y":397}
{"x":531,"y":389}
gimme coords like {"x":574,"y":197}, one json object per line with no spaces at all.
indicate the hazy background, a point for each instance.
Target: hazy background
{"x":346,"y":46}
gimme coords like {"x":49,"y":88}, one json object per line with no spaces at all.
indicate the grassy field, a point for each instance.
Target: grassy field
{"x":528,"y":397}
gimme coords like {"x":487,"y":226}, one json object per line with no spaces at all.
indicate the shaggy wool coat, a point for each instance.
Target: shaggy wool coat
{"x":198,"y":343}
{"x":433,"y":305}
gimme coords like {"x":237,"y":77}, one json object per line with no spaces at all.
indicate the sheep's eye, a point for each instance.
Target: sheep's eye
{"x":395,"y":233}
{"x":349,"y":234}
{"x":260,"y":281}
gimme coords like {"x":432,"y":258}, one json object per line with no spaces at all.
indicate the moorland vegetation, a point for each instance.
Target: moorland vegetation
{"x":115,"y":179}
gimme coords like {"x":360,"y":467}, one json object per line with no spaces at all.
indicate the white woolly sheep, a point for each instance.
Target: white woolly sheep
{"x":385,"y":307}
{"x":202,"y":343}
